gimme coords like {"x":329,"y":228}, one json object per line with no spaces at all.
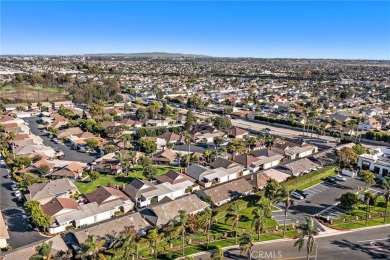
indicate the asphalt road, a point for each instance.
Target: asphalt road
{"x":70,"y":155}
{"x":20,"y":231}
{"x":354,"y":245}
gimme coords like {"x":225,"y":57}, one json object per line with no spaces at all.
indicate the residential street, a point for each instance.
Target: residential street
{"x":70,"y":155}
{"x":20,"y":231}
{"x":365,"y":244}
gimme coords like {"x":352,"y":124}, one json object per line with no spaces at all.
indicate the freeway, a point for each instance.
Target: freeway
{"x":371,"y":243}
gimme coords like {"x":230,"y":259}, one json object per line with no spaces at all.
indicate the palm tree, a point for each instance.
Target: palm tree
{"x":206,"y":221}
{"x":233,"y":214}
{"x":183,"y":219}
{"x":250,"y":140}
{"x":125,"y":246}
{"x":306,"y":230}
{"x":217,"y":254}
{"x":187,"y":140}
{"x":257,"y":222}
{"x":179,"y":157}
{"x":285,"y":195}
{"x":132,"y":156}
{"x":153,"y":238}
{"x":386,"y":186}
{"x":91,"y":246}
{"x":125,"y":138}
{"x":246,"y":245}
{"x":206,"y":155}
{"x":44,"y":252}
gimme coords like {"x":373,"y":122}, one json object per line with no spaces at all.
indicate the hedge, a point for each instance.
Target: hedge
{"x":309,"y":177}
{"x":378,"y":136}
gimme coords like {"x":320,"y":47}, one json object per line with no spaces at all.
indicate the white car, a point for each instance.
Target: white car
{"x":339,"y":178}
{"x":297,"y":196}
{"x":18,"y":193}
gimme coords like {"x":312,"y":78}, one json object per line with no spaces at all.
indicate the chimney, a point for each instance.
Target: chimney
{"x":123,"y":186}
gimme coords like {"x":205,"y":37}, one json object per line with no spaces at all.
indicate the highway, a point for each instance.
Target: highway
{"x":373,"y":243}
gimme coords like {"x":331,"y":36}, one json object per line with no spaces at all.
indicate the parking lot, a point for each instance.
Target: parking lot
{"x":70,"y":155}
{"x":321,"y":198}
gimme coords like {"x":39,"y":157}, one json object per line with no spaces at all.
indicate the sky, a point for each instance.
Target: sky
{"x":264,"y":29}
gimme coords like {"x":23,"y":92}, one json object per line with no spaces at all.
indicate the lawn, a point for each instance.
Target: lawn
{"x":105,"y":179}
{"x":360,"y":211}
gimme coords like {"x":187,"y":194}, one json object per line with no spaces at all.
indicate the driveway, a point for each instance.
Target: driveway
{"x":20,"y":231}
{"x":70,"y":155}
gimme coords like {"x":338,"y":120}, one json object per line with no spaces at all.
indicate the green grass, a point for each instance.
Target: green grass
{"x":311,"y":178}
{"x":361,"y":224}
{"x":105,"y":179}
{"x":223,"y":243}
{"x":6,"y":88}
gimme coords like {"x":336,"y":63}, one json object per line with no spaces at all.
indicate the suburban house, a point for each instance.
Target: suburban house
{"x":132,"y":123}
{"x":109,"y":231}
{"x":171,"y":186}
{"x":104,"y":195}
{"x":300,"y":167}
{"x":267,"y":158}
{"x":45,"y":191}
{"x":59,"y":206}
{"x":72,"y":170}
{"x":66,"y":133}
{"x":111,"y":166}
{"x":170,"y":137}
{"x":31,"y":149}
{"x":164,"y":157}
{"x":4,"y":236}
{"x":378,"y":161}
{"x":225,"y":192}
{"x":274,"y":174}
{"x":161,"y":214}
{"x":237,"y":132}
{"x":370,"y":124}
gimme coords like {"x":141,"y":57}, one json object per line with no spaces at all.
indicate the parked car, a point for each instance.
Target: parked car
{"x":18,"y":193}
{"x":303,"y":193}
{"x":330,"y":180}
{"x":8,"y":176}
{"x":297,"y":196}
{"x":14,"y":187}
{"x":2,"y":162}
{"x":56,"y":140}
{"x":339,"y":178}
{"x":82,"y":150}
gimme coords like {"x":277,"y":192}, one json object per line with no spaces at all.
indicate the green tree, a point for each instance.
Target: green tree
{"x":43,"y":169}
{"x":222,"y":123}
{"x":96,"y":111}
{"x":149,"y":172}
{"x":349,"y":200}
{"x":218,"y":141}
{"x":359,"y":149}
{"x":257,"y":222}
{"x":165,"y":110}
{"x":233,"y":214}
{"x":153,"y":238}
{"x":307,"y":231}
{"x":44,"y":252}
{"x":367,"y":177}
{"x":246,"y":245}
{"x":141,"y":113}
{"x":285,"y":195}
{"x":147,"y":146}
{"x":126,"y":139}
{"x":270,"y":190}
{"x":385,"y":184}
{"x":190,"y":121}
{"x":91,"y":246}
{"x":93,"y":143}
{"x":109,"y":149}
{"x":346,"y":157}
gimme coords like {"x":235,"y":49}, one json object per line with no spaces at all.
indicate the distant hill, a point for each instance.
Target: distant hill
{"x":149,"y":55}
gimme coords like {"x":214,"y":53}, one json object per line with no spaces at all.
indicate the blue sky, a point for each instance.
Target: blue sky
{"x":291,"y":29}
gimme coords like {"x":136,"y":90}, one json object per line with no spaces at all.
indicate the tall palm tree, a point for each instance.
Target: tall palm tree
{"x":206,"y":221}
{"x":132,"y":157}
{"x":179,"y":157}
{"x":257,"y":222}
{"x":233,"y":214}
{"x":126,"y":246}
{"x":285,"y":195}
{"x":187,"y":141}
{"x":306,"y":231}
{"x":386,"y":186}
{"x":206,"y":155}
{"x":183,"y":219}
{"x":217,"y":254}
{"x":246,"y":245}
{"x":153,"y":238}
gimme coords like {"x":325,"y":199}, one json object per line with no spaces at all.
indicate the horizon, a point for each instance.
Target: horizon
{"x":351,"y":30}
